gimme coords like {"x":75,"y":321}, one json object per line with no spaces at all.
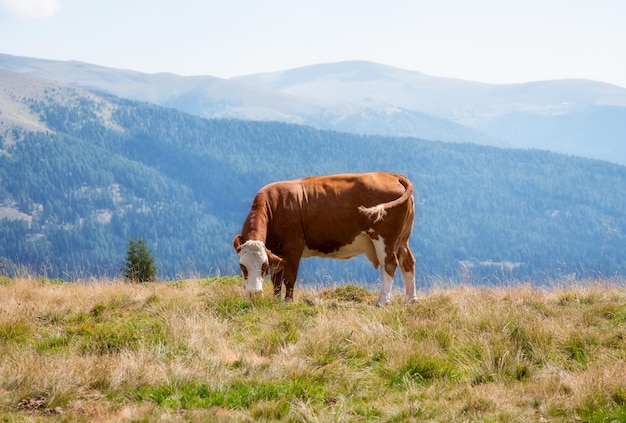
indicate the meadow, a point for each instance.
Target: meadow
{"x":199,"y":350}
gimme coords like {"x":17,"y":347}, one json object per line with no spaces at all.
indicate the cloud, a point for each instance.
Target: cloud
{"x":34,"y":9}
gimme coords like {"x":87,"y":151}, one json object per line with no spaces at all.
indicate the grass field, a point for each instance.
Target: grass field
{"x":198,"y":350}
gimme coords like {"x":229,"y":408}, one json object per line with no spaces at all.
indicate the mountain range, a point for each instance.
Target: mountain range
{"x":82,"y":171}
{"x":578,"y":117}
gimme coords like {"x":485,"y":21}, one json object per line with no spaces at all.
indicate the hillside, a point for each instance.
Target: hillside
{"x":100,"y":170}
{"x":197,"y":350}
{"x":578,"y":117}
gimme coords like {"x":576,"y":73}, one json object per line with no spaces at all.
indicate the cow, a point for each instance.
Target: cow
{"x":335,"y":216}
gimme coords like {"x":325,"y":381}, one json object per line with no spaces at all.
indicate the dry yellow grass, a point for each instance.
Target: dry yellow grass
{"x":197,"y":350}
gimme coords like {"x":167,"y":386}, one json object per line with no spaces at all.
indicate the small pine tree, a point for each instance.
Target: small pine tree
{"x":139,"y":265}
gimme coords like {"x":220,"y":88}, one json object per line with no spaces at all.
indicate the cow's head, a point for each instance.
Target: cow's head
{"x":255,"y":260}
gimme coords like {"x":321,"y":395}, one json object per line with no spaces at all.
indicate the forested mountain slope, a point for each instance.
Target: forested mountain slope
{"x":98,"y":170}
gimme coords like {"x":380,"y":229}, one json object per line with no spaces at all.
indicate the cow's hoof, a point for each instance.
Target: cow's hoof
{"x":413,"y":300}
{"x":381,"y":304}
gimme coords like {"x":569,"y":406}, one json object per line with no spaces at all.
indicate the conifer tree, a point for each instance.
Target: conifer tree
{"x":139,"y":265}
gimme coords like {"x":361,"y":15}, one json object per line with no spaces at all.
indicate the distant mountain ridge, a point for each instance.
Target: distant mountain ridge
{"x":579,"y":117}
{"x":356,"y":80}
{"x":213,"y":97}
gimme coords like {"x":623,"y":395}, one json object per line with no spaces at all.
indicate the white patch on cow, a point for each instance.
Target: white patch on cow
{"x":379,"y":247}
{"x":362,"y":244}
{"x":253,"y":256}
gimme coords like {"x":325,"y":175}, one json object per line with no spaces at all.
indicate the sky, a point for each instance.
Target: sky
{"x":495,"y":41}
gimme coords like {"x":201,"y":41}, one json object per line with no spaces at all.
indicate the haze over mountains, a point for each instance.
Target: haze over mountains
{"x":578,"y":117}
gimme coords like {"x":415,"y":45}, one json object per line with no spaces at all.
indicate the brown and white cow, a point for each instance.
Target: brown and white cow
{"x":337,"y":216}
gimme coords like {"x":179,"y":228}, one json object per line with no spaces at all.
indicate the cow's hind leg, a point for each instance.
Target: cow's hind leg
{"x":389,"y":263}
{"x":406,"y":260}
{"x":385,"y":293}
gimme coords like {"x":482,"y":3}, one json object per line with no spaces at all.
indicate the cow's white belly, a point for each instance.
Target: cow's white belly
{"x":362,"y":244}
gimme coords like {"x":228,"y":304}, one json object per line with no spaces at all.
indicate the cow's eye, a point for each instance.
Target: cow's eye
{"x":244,"y":271}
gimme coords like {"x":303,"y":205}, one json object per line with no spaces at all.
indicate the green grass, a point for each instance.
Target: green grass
{"x":200,"y":350}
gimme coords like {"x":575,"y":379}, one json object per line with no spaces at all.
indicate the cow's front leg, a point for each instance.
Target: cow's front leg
{"x":277,"y":281}
{"x":287,"y":276}
{"x":290,"y":276}
{"x":289,"y":290}
{"x":290,"y":282}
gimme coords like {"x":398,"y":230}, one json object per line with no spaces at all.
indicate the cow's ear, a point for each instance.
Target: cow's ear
{"x":276,"y":263}
{"x":237,"y":243}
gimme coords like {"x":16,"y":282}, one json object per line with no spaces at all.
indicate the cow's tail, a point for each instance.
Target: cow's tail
{"x":378,"y":212}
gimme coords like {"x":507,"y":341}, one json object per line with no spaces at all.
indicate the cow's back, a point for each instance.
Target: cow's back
{"x":322,"y":212}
